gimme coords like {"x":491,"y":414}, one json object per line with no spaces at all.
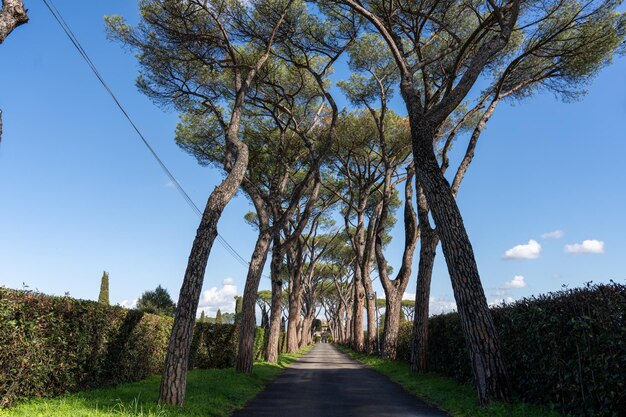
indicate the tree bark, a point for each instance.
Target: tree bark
{"x":393,"y":310}
{"x":371,"y":344}
{"x":428,"y":250}
{"x":174,"y":380}
{"x":12,"y":15}
{"x":358,"y":339}
{"x":295,"y":299}
{"x":271,"y":353}
{"x":347,"y":327}
{"x":305,"y":340}
{"x":245,"y":353}
{"x":488,"y":365}
{"x":394,"y":289}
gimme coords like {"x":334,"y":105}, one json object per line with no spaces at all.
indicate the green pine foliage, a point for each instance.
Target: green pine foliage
{"x":103,"y":297}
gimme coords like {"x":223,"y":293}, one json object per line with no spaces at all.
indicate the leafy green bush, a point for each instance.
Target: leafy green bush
{"x":260,"y":341}
{"x":566,"y":348}
{"x":50,"y":345}
{"x":213,"y":346}
{"x":55,"y":344}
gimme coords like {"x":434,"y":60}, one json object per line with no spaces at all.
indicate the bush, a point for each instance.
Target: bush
{"x":260,"y":341}
{"x":566,"y":348}
{"x":52,"y":345}
{"x":213,"y":346}
{"x":55,"y":344}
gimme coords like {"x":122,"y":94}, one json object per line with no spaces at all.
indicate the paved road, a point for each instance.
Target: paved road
{"x":326,"y":382}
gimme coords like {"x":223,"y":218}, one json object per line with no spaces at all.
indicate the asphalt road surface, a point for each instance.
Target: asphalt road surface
{"x":326,"y":382}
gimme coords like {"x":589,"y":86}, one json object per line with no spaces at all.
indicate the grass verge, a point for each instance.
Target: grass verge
{"x":457,"y":399}
{"x":210,"y":392}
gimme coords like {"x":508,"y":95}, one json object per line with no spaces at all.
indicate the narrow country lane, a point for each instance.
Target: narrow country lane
{"x":326,"y":382}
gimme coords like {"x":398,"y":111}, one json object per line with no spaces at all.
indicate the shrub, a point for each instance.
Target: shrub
{"x":55,"y":344}
{"x":260,"y":341}
{"x":566,"y":348}
{"x":213,"y":346}
{"x":51,"y":345}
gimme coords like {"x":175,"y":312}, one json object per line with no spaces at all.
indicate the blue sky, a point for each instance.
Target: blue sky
{"x":79,"y":193}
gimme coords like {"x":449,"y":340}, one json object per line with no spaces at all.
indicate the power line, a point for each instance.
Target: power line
{"x":68,"y":31}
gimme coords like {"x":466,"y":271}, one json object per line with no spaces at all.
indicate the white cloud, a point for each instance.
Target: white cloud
{"x":223,"y":299}
{"x":437,"y":305}
{"x":441,"y":305}
{"x":556,"y":234}
{"x":129,"y":303}
{"x":501,"y":295}
{"x":169,"y":184}
{"x":500,"y":301}
{"x":587,"y":246}
{"x":528,"y":251}
{"x":515,"y":283}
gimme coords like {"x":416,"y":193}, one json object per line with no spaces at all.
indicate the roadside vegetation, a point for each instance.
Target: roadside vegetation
{"x":210,"y":392}
{"x":457,"y":399}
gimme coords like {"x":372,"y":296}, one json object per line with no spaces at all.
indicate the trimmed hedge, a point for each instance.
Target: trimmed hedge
{"x":50,"y":345}
{"x":213,"y":346}
{"x":566,"y":348}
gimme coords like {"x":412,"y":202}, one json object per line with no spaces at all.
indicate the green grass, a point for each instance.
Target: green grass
{"x":457,"y":399}
{"x":211,"y":392}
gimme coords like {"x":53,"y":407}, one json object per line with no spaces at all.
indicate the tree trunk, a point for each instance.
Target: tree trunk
{"x":12,"y":15}
{"x":488,"y":365}
{"x":419,"y":341}
{"x":174,"y":379}
{"x":295,"y":309}
{"x":394,"y":289}
{"x":358,"y":339}
{"x":271,"y":354}
{"x":245,"y":353}
{"x":306,"y":329}
{"x":393,"y":310}
{"x":371,"y":344}
{"x":347,"y":329}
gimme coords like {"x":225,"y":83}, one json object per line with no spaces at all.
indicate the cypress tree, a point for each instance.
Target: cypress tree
{"x":103,"y":297}
{"x":238,"y":307}
{"x":202,"y":317}
{"x":218,"y":317}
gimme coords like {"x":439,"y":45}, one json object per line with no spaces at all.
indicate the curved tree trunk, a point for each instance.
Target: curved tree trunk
{"x":488,"y":365}
{"x":271,"y":353}
{"x":174,"y":380}
{"x":12,"y":15}
{"x":245,"y":353}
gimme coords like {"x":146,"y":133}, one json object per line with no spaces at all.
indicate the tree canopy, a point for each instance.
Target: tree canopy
{"x":157,"y":301}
